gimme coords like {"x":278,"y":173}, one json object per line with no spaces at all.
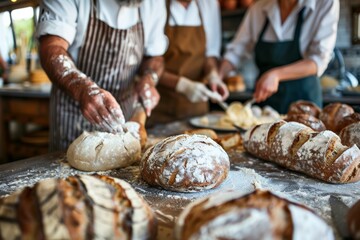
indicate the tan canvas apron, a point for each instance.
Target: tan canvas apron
{"x":111,"y":58}
{"x":184,"y":57}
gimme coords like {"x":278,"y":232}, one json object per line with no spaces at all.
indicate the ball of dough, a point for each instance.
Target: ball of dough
{"x":185,"y":163}
{"x":100,"y":151}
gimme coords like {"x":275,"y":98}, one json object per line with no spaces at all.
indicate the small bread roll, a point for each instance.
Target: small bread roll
{"x":350,"y":135}
{"x":259,"y":215}
{"x":308,"y":120}
{"x":185,"y":163}
{"x":100,"y":151}
{"x":353,"y":219}
{"x":235,"y":83}
{"x":350,"y":119}
{"x":333,"y":113}
{"x":304,"y":107}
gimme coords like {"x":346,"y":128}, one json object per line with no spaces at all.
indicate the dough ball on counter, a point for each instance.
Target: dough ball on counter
{"x":185,"y":163}
{"x":100,"y":151}
{"x":78,"y":207}
{"x":258,"y":215}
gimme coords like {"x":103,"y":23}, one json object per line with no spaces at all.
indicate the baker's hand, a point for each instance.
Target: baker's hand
{"x":100,"y":108}
{"x":148,"y":95}
{"x":195,"y":91}
{"x":217,"y":85}
{"x":266,"y":86}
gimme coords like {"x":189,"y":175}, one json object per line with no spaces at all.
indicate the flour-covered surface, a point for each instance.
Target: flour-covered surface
{"x":247,"y":173}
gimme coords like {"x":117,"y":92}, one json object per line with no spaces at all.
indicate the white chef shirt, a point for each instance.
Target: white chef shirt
{"x":68,"y":19}
{"x":210,"y":13}
{"x":318,"y":33}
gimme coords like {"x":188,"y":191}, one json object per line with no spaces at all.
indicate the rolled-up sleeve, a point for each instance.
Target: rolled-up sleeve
{"x":58,"y":17}
{"x":153,"y":13}
{"x":210,"y":11}
{"x":324,"y":39}
{"x":242,"y":45}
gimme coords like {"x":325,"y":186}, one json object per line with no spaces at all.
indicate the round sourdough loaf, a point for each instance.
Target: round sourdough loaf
{"x":332,"y":115}
{"x":304,"y":107}
{"x":78,"y":207}
{"x":100,"y":151}
{"x":350,"y":135}
{"x":256,"y":216}
{"x":185,"y":163}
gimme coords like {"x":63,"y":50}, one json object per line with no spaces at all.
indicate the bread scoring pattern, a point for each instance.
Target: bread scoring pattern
{"x":185,"y":163}
{"x":78,"y":207}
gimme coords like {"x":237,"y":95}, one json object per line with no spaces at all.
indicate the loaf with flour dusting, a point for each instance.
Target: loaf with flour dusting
{"x":350,"y":134}
{"x":185,"y":163}
{"x":297,"y":147}
{"x":100,"y":151}
{"x":78,"y":207}
{"x":255,"y":216}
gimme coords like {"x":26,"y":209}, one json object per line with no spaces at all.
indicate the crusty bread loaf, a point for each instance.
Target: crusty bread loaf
{"x":333,"y":113}
{"x":185,"y":163}
{"x":231,"y":141}
{"x":258,"y":215}
{"x":350,"y":135}
{"x":350,"y":119}
{"x":297,"y":147}
{"x":203,"y":131}
{"x":308,"y":120}
{"x":99,"y":151}
{"x":353,"y":220}
{"x":235,"y":83}
{"x":304,"y":107}
{"x":78,"y":207}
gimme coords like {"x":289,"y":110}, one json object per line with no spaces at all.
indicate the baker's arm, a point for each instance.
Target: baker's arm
{"x":268,"y":83}
{"x":97,"y":105}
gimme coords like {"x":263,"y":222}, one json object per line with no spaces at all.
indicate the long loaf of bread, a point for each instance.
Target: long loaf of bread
{"x":297,"y":147}
{"x":78,"y":207}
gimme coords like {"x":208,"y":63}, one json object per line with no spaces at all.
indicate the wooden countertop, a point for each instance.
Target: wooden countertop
{"x":246,"y":173}
{"x":21,"y":91}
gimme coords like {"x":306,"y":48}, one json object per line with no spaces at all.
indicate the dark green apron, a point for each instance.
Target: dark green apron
{"x":269,"y":55}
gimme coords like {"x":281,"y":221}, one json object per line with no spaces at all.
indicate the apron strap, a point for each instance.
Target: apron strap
{"x":297,"y":31}
{"x":264,"y":29}
{"x":299,"y":24}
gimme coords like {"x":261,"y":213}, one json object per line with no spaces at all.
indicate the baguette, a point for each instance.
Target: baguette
{"x":297,"y":147}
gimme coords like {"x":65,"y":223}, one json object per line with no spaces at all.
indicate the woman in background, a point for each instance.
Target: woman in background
{"x":292,"y":41}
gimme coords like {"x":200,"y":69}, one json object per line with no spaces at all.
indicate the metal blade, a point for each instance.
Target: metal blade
{"x":339,"y":211}
{"x":223,"y":105}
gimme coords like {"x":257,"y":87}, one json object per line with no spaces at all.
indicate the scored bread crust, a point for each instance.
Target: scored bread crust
{"x":308,"y":120}
{"x":78,"y":207}
{"x":297,"y":147}
{"x":101,"y":151}
{"x":332,"y":115}
{"x":258,"y":215}
{"x":350,"y":134}
{"x":304,"y":107}
{"x":185,"y":163}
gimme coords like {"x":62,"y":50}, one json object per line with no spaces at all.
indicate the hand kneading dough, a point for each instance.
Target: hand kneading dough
{"x":185,"y":163}
{"x":99,"y":151}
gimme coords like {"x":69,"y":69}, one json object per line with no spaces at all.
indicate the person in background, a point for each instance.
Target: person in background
{"x":292,"y":41}
{"x":190,"y":77}
{"x":102,"y":57}
{"x":3,"y":69}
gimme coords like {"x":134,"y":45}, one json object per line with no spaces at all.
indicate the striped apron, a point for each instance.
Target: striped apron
{"x":110,"y":57}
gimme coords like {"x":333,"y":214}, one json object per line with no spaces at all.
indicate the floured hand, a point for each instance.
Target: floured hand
{"x":148,"y":95}
{"x":100,"y":108}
